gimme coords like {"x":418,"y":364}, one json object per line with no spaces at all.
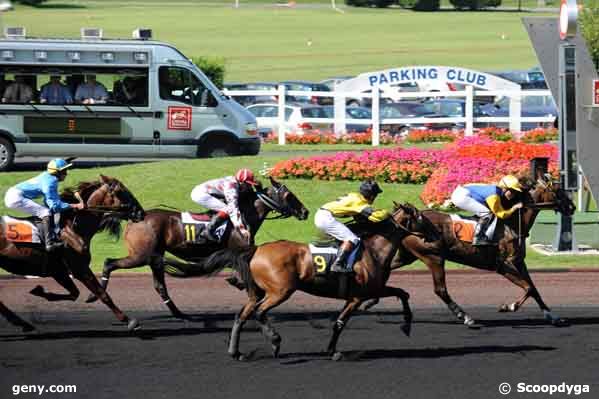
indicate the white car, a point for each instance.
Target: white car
{"x":267,"y":118}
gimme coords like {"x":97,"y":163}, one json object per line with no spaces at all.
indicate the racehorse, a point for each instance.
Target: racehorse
{"x":274,"y":271}
{"x":163,"y":231}
{"x":507,"y":258}
{"x":107,"y":201}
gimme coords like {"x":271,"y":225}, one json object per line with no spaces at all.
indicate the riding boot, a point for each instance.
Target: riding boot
{"x":340,"y":263}
{"x":480,"y":233}
{"x":50,"y":240}
{"x":216,"y":220}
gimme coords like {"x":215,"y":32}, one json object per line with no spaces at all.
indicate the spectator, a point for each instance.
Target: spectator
{"x":18,"y":92}
{"x":131,"y":91}
{"x":91,"y":92}
{"x":55,"y":93}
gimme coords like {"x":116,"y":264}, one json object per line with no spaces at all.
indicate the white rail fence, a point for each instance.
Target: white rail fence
{"x":340,"y":120}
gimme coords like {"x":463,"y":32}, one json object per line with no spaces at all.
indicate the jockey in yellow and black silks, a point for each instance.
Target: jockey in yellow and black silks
{"x":352,"y":204}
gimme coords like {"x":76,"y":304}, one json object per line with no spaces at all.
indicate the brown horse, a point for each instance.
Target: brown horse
{"x":507,"y":258}
{"x":275,"y":270}
{"x":107,"y":202}
{"x":162,"y":231}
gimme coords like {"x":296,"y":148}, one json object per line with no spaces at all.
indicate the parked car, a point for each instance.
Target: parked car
{"x":352,"y":113}
{"x":252,"y":99}
{"x":527,"y":79}
{"x":531,"y":106}
{"x":456,"y":107}
{"x":331,"y":82}
{"x":267,"y":118}
{"x":307,"y":86}
{"x":405,"y":109}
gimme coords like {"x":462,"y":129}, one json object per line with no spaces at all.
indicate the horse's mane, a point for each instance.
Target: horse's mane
{"x":109,"y":222}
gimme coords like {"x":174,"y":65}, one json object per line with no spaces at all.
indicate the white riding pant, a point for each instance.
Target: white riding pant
{"x":462,"y":199}
{"x":14,"y":199}
{"x":326,"y":222}
{"x":201,"y":197}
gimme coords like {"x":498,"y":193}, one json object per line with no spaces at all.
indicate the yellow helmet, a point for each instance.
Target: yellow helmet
{"x":57,"y":165}
{"x":510,"y":182}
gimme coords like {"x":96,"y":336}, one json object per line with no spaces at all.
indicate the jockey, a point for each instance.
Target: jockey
{"x":221,"y":195}
{"x":485,"y":201}
{"x":21,"y":196}
{"x":352,"y":204}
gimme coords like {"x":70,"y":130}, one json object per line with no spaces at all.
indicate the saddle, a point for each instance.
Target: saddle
{"x":463,"y":227}
{"x":22,"y":229}
{"x":195,"y":225}
{"x":324,"y":255}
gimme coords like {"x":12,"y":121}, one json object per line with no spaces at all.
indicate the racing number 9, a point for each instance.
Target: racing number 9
{"x":321,"y":264}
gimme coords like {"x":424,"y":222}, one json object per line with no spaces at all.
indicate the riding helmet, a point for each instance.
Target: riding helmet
{"x":370,"y":189}
{"x":58,"y":165}
{"x":245,"y":176}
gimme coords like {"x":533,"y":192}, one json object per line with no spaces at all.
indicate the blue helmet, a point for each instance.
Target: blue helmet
{"x":58,"y":165}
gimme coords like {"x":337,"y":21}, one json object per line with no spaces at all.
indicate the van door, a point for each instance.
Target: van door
{"x":184,"y":110}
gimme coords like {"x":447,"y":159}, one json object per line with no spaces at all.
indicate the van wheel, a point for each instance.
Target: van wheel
{"x":216,"y":148}
{"x":7,"y":154}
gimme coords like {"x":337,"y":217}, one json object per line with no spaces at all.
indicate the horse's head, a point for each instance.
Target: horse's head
{"x":411,"y":221}
{"x":112,"y":195}
{"x":547,"y":194}
{"x":280,"y":199}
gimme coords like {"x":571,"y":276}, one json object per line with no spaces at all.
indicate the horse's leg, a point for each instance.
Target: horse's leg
{"x":404,"y":297}
{"x":89,"y":280}
{"x":436,"y":265}
{"x":371,"y":303}
{"x":110,"y":265}
{"x":248,"y":309}
{"x":348,"y":309}
{"x":271,"y":300}
{"x":61,"y":275}
{"x":157,"y":265}
{"x":520,"y":277}
{"x":14,"y":319}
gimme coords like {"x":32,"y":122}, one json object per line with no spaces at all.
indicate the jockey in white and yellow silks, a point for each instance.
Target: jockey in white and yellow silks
{"x":485,"y":201}
{"x":352,"y":204}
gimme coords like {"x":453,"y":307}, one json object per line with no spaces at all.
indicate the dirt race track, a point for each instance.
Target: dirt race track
{"x":80,"y":344}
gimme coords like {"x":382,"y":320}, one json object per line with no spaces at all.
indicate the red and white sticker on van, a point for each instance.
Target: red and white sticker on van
{"x":179,"y":118}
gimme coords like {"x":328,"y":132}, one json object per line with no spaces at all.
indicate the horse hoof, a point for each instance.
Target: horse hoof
{"x":559,"y":322}
{"x":133,"y":325}
{"x":275,"y":350}
{"x":27,"y":328}
{"x":406,"y":328}
{"x":471,"y":323}
{"x":38,"y":290}
{"x":503,"y":308}
{"x":239,"y":356}
{"x":91,"y":298}
{"x":337,"y":356}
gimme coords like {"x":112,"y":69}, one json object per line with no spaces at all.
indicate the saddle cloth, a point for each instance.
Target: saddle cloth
{"x":194,"y":225}
{"x":18,"y":230}
{"x":323,"y":257}
{"x":463,"y":228}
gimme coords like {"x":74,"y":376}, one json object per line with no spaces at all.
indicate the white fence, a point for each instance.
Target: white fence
{"x":340,"y":120}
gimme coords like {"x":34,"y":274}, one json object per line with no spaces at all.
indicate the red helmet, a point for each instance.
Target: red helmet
{"x":245,"y":176}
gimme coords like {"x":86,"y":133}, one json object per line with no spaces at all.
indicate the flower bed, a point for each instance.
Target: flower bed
{"x":470,"y":159}
{"x":316,"y":137}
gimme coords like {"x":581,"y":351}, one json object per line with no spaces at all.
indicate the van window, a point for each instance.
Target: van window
{"x":181,"y":85}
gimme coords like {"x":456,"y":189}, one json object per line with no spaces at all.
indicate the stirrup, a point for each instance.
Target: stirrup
{"x":53,"y":246}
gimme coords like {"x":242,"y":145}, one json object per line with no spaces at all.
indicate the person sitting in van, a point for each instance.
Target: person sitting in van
{"x":18,"y":92}
{"x":130,"y":91}
{"x":91,"y":92}
{"x":55,"y":93}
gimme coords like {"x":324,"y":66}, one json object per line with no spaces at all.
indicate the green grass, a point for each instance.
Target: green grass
{"x":170,"y":182}
{"x":271,"y":43}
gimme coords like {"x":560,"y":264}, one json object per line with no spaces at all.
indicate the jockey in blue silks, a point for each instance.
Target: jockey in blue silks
{"x":44,"y":185}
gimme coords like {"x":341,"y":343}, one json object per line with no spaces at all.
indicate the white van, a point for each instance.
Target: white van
{"x":113,"y":98}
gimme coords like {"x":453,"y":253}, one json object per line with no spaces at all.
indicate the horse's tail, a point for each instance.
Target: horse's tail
{"x":238,"y":259}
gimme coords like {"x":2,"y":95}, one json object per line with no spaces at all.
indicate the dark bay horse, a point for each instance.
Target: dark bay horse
{"x":107,"y":201}
{"x":275,"y":270}
{"x":507,"y":258}
{"x":162,"y":231}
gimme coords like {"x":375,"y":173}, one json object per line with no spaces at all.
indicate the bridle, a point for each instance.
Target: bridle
{"x":277,"y":203}
{"x":121,"y":211}
{"x":407,"y":230}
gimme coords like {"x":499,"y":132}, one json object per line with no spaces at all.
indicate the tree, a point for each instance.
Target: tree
{"x":213,"y":68}
{"x":589,"y":22}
